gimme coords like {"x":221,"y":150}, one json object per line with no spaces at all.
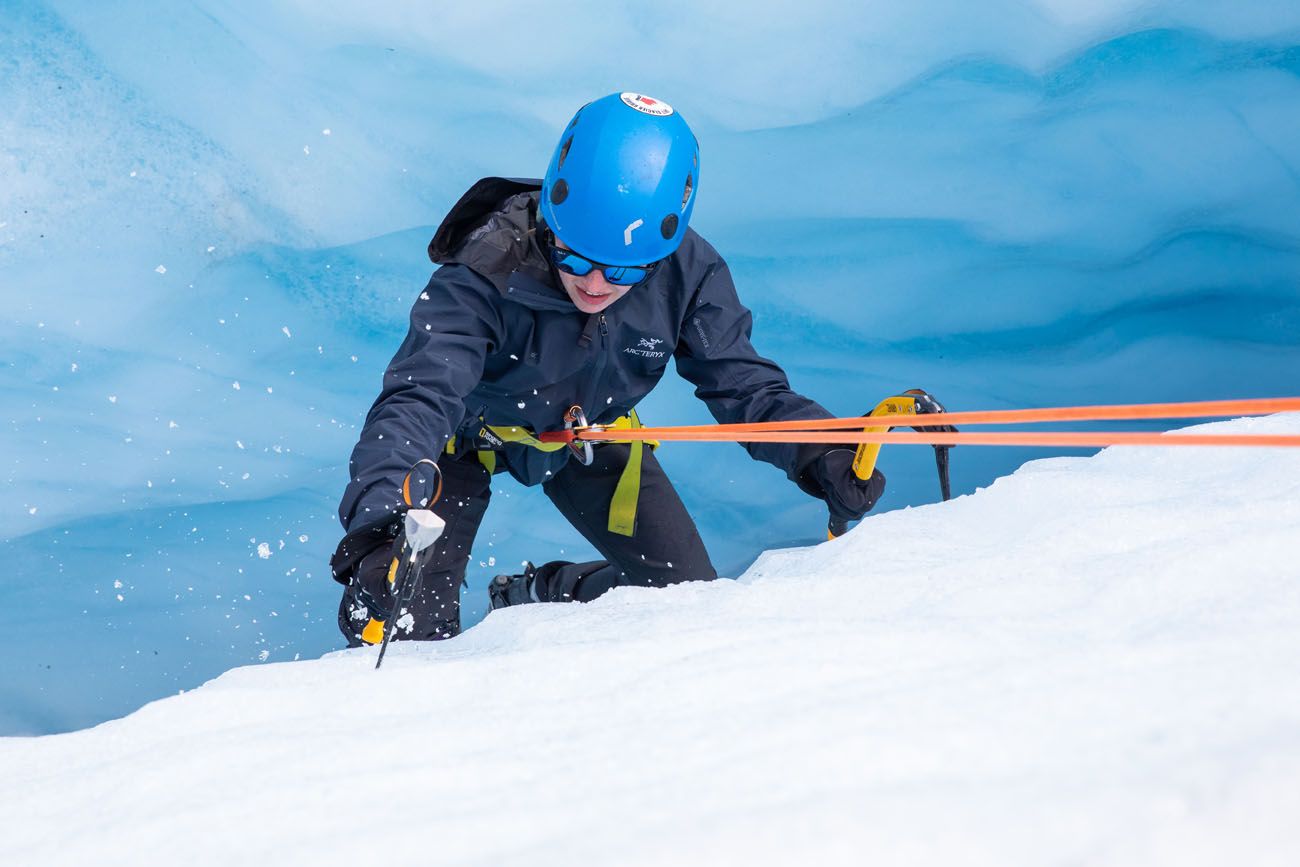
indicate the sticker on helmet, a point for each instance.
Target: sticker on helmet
{"x":647,"y":105}
{"x":631,"y":227}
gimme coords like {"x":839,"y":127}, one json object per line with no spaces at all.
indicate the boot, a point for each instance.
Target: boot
{"x":506,"y":590}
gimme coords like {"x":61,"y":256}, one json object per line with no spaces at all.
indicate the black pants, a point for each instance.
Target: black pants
{"x":664,"y":549}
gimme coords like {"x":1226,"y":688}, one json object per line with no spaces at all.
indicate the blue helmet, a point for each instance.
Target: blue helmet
{"x":621,"y":185}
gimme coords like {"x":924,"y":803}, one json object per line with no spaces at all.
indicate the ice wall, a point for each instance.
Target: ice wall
{"x":213,"y":218}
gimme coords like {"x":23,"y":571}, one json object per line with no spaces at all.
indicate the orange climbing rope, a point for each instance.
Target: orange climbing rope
{"x":840,"y":430}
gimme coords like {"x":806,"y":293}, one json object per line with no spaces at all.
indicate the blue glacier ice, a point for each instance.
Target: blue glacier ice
{"x":213,"y":219}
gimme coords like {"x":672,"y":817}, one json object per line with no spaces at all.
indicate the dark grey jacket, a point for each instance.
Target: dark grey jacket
{"x":494,"y":336}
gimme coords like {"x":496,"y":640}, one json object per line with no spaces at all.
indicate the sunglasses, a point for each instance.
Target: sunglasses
{"x":580,"y":266}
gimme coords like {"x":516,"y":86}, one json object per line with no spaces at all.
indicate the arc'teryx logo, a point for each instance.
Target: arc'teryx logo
{"x":645,"y":348}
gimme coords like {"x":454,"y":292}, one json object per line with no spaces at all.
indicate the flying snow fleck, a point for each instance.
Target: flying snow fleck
{"x":264,"y":551}
{"x":161,"y":269}
{"x":285,"y":329}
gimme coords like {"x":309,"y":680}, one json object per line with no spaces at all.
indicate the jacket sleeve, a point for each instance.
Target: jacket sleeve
{"x":455,"y":325}
{"x":715,"y":355}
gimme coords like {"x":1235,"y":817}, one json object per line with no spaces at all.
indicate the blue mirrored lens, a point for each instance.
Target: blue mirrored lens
{"x":571,"y":263}
{"x":628,"y":276}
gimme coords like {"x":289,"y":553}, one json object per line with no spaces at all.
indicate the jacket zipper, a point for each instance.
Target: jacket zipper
{"x":592,"y":408}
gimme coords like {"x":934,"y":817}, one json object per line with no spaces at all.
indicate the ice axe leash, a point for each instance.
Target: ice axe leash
{"x":420,"y":528}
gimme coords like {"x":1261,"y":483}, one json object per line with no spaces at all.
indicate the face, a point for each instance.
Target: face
{"x":592,"y":293}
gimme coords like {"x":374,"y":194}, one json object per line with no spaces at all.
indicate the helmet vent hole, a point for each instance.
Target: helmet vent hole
{"x":559,"y":192}
{"x":686,"y":193}
{"x":564,"y":152}
{"x":668,"y":227}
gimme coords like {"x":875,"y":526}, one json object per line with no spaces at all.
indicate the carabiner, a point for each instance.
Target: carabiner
{"x":575,"y":419}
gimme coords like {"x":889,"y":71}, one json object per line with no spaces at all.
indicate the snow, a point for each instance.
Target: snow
{"x":1091,"y":661}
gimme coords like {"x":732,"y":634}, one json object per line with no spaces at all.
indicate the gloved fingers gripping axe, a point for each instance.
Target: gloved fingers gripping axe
{"x":914,"y":401}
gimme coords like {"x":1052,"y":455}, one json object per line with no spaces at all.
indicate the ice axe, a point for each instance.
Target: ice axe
{"x":914,"y":401}
{"x":420,"y":529}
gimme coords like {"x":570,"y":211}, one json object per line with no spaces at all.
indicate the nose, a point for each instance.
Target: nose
{"x":595,"y":281}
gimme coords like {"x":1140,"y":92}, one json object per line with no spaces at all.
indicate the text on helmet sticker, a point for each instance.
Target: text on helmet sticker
{"x":647,"y":105}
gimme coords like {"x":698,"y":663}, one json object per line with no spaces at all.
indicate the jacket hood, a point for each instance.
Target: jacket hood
{"x":493,"y":230}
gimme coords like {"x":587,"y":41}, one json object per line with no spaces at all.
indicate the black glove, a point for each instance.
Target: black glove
{"x":374,"y":590}
{"x":364,"y":558}
{"x":847,"y":496}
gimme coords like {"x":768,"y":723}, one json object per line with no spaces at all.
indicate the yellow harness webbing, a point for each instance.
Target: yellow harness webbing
{"x":622,"y":505}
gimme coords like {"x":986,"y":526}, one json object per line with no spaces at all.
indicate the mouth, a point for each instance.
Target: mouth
{"x":593,"y":296}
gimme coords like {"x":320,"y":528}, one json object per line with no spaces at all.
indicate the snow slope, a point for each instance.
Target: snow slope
{"x":1092,"y":661}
